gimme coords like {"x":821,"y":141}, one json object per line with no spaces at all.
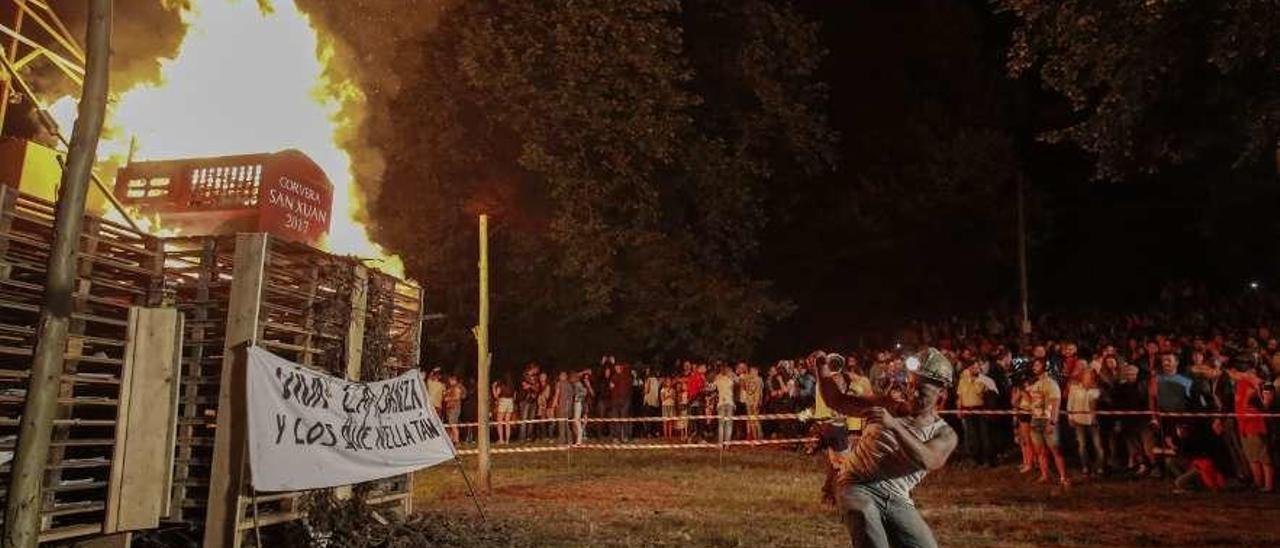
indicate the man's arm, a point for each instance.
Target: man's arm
{"x":846,"y":404}
{"x":931,"y":455}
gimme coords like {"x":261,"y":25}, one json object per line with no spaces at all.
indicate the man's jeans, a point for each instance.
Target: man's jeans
{"x":620,"y":409}
{"x":873,"y":520}
{"x":725,"y":412}
{"x":528,"y":411}
{"x":1090,"y":434}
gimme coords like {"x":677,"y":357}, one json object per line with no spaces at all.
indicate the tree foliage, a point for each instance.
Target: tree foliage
{"x":1156,"y":83}
{"x":622,"y":153}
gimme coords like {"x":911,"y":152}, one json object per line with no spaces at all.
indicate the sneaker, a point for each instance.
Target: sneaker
{"x":1042,"y":479}
{"x":1142,"y":470}
{"x":1025,"y":468}
{"x":1066,"y":483}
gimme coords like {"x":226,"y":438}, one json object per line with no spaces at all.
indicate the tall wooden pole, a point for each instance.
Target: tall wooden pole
{"x":482,"y":360}
{"x":1023,"y":293}
{"x":22,"y":513}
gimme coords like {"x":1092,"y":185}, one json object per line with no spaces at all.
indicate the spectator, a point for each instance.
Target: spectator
{"x":581,"y":396}
{"x":694,"y":384}
{"x":652,"y":395}
{"x":546,"y":408}
{"x":620,"y":388}
{"x":682,"y":409}
{"x":566,"y":392}
{"x":1022,"y":405}
{"x":1194,"y":453}
{"x":668,"y":397}
{"x":435,"y":392}
{"x":971,"y":395}
{"x":724,"y":403}
{"x":528,"y":396}
{"x":1046,"y":398}
{"x":779,"y":398}
{"x":506,"y":410}
{"x":454,"y":394}
{"x":1253,"y":430}
{"x":751,"y":387}
{"x":1082,"y":404}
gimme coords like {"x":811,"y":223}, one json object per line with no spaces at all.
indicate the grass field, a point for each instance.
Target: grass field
{"x":769,"y":497}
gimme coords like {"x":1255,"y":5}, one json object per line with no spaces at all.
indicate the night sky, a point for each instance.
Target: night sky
{"x":917,"y":221}
{"x":1105,"y":246}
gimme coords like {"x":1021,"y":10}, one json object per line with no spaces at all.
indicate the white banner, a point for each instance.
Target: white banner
{"x":308,"y":430}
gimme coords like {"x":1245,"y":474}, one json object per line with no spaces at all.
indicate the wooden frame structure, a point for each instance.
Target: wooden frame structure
{"x":123,"y":362}
{"x":310,"y":307}
{"x":119,"y":270}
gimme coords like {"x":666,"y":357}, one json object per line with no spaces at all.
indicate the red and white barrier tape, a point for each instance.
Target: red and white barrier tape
{"x":797,"y":416}
{"x":637,"y":446}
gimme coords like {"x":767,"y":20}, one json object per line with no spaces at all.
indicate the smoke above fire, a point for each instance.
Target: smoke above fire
{"x":248,"y":77}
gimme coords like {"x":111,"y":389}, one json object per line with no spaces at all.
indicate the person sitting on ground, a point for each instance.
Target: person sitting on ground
{"x":1194,"y":454}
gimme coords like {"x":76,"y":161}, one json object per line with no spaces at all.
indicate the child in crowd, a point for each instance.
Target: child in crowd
{"x":668,"y":397}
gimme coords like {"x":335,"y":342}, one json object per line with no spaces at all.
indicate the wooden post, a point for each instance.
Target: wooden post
{"x":226,"y":478}
{"x":1023,"y":297}
{"x":482,"y":361}
{"x":22,"y":513}
{"x":355,"y":338}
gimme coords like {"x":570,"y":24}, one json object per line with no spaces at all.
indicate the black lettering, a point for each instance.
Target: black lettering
{"x":314,"y":433}
{"x":281,"y":422}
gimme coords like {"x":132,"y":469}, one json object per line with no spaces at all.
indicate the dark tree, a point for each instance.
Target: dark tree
{"x":1157,"y":83}
{"x":622,"y":149}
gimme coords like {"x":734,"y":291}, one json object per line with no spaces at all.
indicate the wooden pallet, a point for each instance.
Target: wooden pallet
{"x":304,"y":305}
{"x":118,"y":269}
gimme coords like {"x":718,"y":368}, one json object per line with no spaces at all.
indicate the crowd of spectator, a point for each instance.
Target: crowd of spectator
{"x":1169,"y":393}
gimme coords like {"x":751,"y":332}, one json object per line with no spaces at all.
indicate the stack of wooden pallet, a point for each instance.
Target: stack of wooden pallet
{"x":310,"y":307}
{"x":118,"y":268}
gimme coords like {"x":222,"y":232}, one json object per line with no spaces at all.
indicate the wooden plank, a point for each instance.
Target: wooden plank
{"x":118,"y":540}
{"x":141,"y":467}
{"x":226,"y":481}
{"x":200,"y":336}
{"x":355,"y":338}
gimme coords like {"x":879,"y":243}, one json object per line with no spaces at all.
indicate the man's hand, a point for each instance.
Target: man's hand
{"x":881,"y":416}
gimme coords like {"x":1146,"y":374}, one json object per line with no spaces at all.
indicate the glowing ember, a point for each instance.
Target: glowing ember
{"x":244,"y":81}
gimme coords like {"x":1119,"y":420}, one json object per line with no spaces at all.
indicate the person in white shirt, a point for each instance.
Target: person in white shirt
{"x":724,"y":384}
{"x":435,"y":391}
{"x":1082,"y":404}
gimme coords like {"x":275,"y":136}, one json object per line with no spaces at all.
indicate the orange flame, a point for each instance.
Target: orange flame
{"x":245,"y":80}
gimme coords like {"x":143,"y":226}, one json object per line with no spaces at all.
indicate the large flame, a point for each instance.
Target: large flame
{"x":246,"y":80}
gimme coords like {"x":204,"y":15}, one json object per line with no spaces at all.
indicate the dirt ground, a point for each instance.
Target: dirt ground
{"x":769,"y":497}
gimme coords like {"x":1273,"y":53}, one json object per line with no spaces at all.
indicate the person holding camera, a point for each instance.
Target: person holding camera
{"x":901,"y":442}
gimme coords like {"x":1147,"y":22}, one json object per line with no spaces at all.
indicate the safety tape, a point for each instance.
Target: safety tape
{"x":639,"y":446}
{"x":797,"y":416}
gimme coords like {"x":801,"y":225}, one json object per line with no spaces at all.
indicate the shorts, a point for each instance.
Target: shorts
{"x":1043,"y":434}
{"x":1255,"y":449}
{"x":452,"y":414}
{"x":506,"y":405}
{"x":669,"y":410}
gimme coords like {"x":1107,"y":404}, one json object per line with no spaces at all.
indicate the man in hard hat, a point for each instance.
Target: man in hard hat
{"x":900,"y":443}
